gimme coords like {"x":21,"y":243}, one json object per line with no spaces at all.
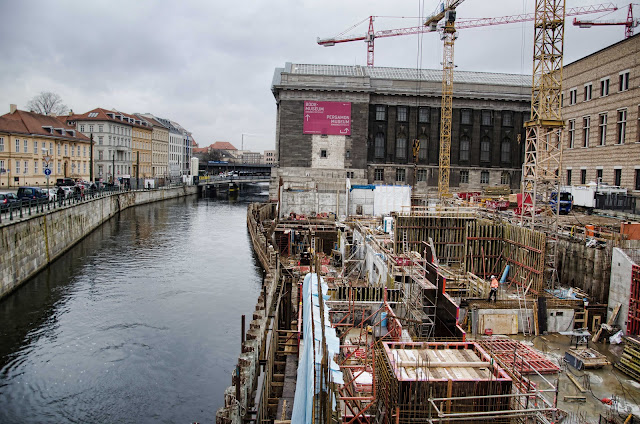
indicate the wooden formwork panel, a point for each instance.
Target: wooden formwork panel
{"x":633,"y":320}
{"x":491,"y":246}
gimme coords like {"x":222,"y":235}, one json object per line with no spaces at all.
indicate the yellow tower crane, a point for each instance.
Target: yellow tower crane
{"x":448,"y":12}
{"x":543,"y":146}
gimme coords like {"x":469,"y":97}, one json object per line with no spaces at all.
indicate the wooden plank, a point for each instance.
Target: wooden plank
{"x":574,"y":381}
{"x":575,"y":399}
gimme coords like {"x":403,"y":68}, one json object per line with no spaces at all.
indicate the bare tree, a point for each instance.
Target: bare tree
{"x":47,"y":103}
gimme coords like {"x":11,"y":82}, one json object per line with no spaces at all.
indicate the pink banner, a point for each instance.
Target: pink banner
{"x":327,"y":118}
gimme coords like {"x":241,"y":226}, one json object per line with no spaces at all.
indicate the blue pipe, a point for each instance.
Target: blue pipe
{"x":504,"y":274}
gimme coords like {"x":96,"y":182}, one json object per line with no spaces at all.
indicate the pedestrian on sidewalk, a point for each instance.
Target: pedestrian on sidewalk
{"x":494,"y":289}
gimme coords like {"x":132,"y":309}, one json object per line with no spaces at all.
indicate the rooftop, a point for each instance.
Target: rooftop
{"x":29,"y":123}
{"x":428,"y":75}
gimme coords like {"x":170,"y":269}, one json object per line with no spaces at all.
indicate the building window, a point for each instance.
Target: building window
{"x":622,"y":126}
{"x":66,"y":150}
{"x":26,"y":146}
{"x":568,"y":177}
{"x":465,"y":116}
{"x":637,"y":178}
{"x":17,"y":167}
{"x":379,"y":145}
{"x":100,"y":128}
{"x":484,"y":177}
{"x":422,"y":175}
{"x":464,"y":148}
{"x":507,"y":118}
{"x":401,"y":147}
{"x":26,"y":167}
{"x":583,"y":176}
{"x":1,"y":144}
{"x":572,"y":132}
{"x":573,"y":96}
{"x":100,"y":155}
{"x":423,"y":115}
{"x":17,"y":146}
{"x":35,"y":147}
{"x":586,"y":121}
{"x":486,"y":117}
{"x":35,"y":167}
{"x":2,"y":166}
{"x":505,"y":178}
{"x":599,"y":176}
{"x":90,"y":128}
{"x":485,"y":149}
{"x":505,"y":151}
{"x":588,"y":89}
{"x":424,"y":146}
{"x":400,"y":174}
{"x":323,"y":153}
{"x":617,"y":177}
{"x":464,"y":176}
{"x":603,"y":129}
{"x":50,"y":148}
{"x":81,"y":128}
{"x":604,"y":87}
{"x":378,"y":174}
{"x":381,"y":113}
{"x":402,"y":114}
{"x":623,"y":81}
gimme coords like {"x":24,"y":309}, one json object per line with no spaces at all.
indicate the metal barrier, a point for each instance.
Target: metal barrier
{"x":26,"y":208}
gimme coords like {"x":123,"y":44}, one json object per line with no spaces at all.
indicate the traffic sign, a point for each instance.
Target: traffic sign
{"x":47,"y":171}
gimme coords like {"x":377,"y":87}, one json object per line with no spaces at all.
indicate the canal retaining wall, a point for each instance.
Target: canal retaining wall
{"x":239,"y":398}
{"x":29,"y":245}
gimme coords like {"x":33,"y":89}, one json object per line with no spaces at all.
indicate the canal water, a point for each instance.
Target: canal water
{"x":138,"y":323}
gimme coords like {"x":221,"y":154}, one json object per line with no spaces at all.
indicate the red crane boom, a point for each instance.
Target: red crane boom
{"x":629,"y":24}
{"x":371,"y":34}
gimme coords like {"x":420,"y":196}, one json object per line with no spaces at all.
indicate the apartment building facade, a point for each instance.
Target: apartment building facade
{"x":30,"y":142}
{"x":159,"y":146}
{"x":601,"y":106}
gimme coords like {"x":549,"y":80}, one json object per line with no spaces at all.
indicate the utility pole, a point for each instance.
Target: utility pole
{"x":113,"y":168}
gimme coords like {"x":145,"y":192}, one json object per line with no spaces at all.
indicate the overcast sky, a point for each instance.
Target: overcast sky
{"x":209,"y":64}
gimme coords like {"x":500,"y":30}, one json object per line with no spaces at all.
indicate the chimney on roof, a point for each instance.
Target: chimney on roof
{"x":13,"y":108}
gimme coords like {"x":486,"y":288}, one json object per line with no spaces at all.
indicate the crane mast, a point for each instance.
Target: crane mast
{"x":543,"y":146}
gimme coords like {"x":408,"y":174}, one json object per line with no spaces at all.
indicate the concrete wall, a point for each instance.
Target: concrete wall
{"x":585,"y":267}
{"x":29,"y":245}
{"x":620,"y":286}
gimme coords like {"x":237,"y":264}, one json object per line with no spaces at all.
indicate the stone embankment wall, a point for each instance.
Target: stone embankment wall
{"x":239,"y":397}
{"x":29,"y":245}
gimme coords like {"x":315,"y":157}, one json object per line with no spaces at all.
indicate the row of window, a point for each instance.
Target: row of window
{"x":120,"y":170}
{"x":23,"y":167}
{"x":424,"y":115}
{"x":421,"y":176}
{"x":465,"y":146}
{"x":603,"y":127}
{"x":23,"y":146}
{"x":113,"y":129}
{"x":623,"y":85}
{"x":617,"y":177}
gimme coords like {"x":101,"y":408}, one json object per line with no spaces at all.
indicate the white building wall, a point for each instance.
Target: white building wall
{"x":334,"y":148}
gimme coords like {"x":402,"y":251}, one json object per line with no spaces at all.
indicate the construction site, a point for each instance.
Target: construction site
{"x":388,"y":317}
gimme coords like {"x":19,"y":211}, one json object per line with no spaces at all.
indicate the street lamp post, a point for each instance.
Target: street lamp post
{"x":47,"y":158}
{"x":91,"y":158}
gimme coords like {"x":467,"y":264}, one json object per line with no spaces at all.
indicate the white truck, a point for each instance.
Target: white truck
{"x":585,"y":194}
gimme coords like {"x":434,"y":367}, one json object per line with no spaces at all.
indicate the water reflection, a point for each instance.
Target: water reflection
{"x":139,"y":322}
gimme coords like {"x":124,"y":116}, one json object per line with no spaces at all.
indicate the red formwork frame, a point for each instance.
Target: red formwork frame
{"x":521,"y":357}
{"x":633,"y":320}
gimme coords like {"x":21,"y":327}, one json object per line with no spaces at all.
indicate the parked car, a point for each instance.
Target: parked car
{"x":32,"y":193}
{"x":68,"y":182}
{"x":68,"y":191}
{"x":53,"y":194}
{"x":6,"y":199}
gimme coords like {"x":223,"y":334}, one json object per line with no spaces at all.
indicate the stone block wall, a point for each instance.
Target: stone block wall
{"x":29,"y":245}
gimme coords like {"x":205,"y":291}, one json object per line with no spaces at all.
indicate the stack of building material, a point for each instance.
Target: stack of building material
{"x":630,"y":360}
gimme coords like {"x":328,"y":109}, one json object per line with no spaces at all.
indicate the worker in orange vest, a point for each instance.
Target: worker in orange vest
{"x":494,"y":289}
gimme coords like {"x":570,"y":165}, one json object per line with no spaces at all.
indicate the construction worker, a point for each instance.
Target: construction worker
{"x":494,"y":289}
